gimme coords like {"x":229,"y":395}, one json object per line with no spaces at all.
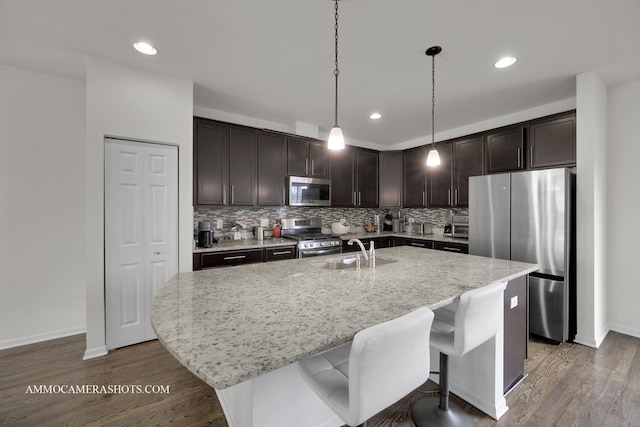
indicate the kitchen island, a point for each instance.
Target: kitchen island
{"x":242,"y":329}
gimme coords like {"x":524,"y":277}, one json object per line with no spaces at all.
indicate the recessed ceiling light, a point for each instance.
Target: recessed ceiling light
{"x":375,"y":116}
{"x":145,"y":48}
{"x":507,"y":61}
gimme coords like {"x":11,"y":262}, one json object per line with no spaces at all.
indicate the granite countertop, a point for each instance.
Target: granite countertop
{"x":273,"y":242}
{"x":228,"y":325}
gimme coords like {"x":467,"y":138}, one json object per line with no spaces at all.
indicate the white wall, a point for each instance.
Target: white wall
{"x":623,"y":234}
{"x":591,"y":201}
{"x":42,"y":293}
{"x":127,"y":102}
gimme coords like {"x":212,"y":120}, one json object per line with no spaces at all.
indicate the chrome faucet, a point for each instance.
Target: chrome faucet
{"x":364,"y":251}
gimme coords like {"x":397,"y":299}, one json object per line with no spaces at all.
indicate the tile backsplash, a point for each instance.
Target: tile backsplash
{"x":354,"y":216}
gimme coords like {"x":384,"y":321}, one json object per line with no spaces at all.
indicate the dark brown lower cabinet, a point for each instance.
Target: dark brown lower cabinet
{"x":241,"y":256}
{"x":418,"y":243}
{"x":378,"y":242}
{"x":516,"y":330}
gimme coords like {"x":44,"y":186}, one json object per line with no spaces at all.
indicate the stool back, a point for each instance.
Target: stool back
{"x":478,"y":317}
{"x":388,"y":361}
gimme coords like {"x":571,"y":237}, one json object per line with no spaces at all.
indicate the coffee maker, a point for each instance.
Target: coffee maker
{"x":205,"y":234}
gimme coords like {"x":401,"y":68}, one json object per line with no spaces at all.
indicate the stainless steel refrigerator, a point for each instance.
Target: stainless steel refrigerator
{"x":530,"y":217}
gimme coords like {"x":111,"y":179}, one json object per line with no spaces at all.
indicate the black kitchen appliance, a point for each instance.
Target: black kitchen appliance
{"x":205,"y":234}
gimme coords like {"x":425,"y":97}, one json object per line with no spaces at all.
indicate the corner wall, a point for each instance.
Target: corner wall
{"x":130,"y":103}
{"x":623,"y":199}
{"x":42,"y":293}
{"x":591,"y":201}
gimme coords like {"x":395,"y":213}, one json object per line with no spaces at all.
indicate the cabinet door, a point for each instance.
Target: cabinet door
{"x":271,"y":169}
{"x":439,"y":178}
{"x":552,"y":143}
{"x":280,"y":252}
{"x":343,"y":191}
{"x":242,"y":166}
{"x":318,"y":160}
{"x":467,"y":155}
{"x":419,"y":243}
{"x":504,"y":150}
{"x":367,"y":178}
{"x":210,"y":162}
{"x":415,"y":177}
{"x":390,"y":179}
{"x":297,"y":157}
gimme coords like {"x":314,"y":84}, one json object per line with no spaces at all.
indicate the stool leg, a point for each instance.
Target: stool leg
{"x":431,"y":411}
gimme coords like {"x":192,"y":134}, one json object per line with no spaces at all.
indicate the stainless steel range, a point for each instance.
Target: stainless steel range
{"x":311,"y":241}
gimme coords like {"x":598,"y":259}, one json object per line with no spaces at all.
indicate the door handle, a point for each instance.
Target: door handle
{"x":456,"y":197}
{"x":449,"y":196}
{"x":232,"y":194}
{"x":306,"y":166}
{"x":359,"y":198}
{"x":518,"y":154}
{"x":423,"y":198}
{"x":531,"y":158}
{"x":283,"y":195}
{"x":312,"y":167}
{"x":224,"y":194}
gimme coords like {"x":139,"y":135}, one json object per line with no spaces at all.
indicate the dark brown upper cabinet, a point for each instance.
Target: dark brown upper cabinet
{"x":307,"y":158}
{"x":354,"y":178}
{"x":415,"y":177}
{"x":271,"y":169}
{"x":504,"y":150}
{"x":440,"y":178}
{"x":210,"y":162}
{"x":242,"y":166}
{"x":390,"y":178}
{"x":552,"y":142}
{"x":467,"y":162}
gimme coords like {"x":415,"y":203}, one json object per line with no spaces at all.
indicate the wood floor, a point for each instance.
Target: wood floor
{"x":568,"y":385}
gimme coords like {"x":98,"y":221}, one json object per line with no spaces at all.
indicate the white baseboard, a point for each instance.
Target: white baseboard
{"x":592,"y":342}
{"x":18,"y":342}
{"x":624,"y":330}
{"x":94,"y":352}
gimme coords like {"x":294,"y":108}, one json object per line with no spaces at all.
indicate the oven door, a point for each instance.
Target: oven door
{"x":317,"y":252}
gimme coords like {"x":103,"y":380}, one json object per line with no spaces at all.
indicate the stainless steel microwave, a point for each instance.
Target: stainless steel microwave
{"x":303,"y":191}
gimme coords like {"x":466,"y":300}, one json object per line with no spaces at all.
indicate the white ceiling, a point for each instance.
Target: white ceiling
{"x":273,"y":60}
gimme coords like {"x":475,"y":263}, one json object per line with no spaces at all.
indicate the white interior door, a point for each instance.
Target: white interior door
{"x":141,"y":234}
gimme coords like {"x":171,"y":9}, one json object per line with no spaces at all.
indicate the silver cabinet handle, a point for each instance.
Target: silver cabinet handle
{"x":283,"y":195}
{"x":312,"y":167}
{"x":224,"y":194}
{"x":355,"y":203}
{"x":282,"y":253}
{"x":359,"y":198}
{"x":455,"y":197}
{"x":156,"y":253}
{"x":449,"y":196}
{"x":306,"y":166}
{"x":518,"y":153}
{"x":531,"y":159}
{"x":227,"y":258}
{"x":423,"y":198}
{"x":232,"y":194}
{"x":420,"y":245}
{"x":448,"y":248}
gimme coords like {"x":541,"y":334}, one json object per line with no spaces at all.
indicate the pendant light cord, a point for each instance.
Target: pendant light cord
{"x":336,"y":71}
{"x":433,"y":99}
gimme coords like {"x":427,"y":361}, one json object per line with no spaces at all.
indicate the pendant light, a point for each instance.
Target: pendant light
{"x":336,"y":139}
{"x":433,"y":159}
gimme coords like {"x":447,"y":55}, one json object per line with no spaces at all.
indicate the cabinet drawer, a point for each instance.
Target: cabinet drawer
{"x":418,"y":243}
{"x":280,"y":252}
{"x":227,"y":258}
{"x":461,"y":248}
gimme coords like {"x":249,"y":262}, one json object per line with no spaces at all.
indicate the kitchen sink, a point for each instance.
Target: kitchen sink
{"x":347,"y":263}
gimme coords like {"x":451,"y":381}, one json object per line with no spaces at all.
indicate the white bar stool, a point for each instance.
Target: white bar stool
{"x":381,"y":365}
{"x":456,"y":330}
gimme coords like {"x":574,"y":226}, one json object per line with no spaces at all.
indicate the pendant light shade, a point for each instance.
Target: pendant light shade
{"x":336,"y":139}
{"x":433,"y":159}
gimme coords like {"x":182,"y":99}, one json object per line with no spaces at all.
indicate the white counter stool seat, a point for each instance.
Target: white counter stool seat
{"x":381,"y":365}
{"x":456,"y":330}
